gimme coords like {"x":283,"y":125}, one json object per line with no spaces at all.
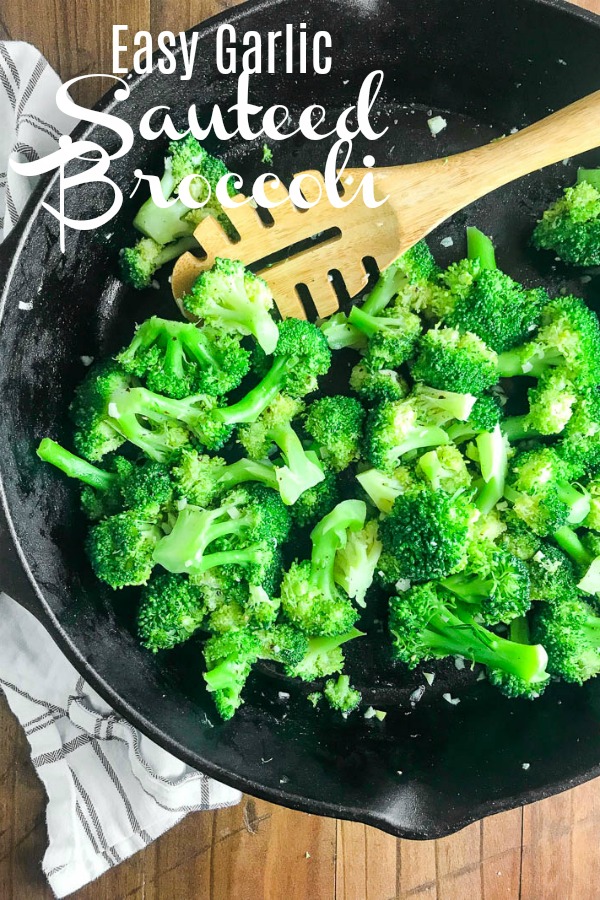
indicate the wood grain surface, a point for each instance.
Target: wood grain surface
{"x":257,"y":851}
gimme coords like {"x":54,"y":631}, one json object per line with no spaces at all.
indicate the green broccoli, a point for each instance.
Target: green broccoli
{"x":169,"y":232}
{"x":377,"y":387}
{"x":301,"y":471}
{"x":317,"y":501}
{"x":382,"y":488}
{"x":491,"y":305}
{"x":444,"y":469}
{"x":541,"y":492}
{"x":340,"y":695}
{"x":200,"y":479}
{"x":244,"y":531}
{"x":104,"y":488}
{"x":179,"y":359}
{"x":453,"y":361}
{"x":425,"y":623}
{"x":494,"y":582}
{"x":571,"y":226}
{"x":425,"y":536}
{"x":336,"y":424}
{"x":356,"y":562}
{"x":323,"y":656}
{"x":410,"y":275}
{"x":580,"y":444}
{"x":340,"y":334}
{"x":139,"y":264}
{"x":569,"y":336}
{"x":229,"y":659}
{"x":395,"y":428}
{"x":232,"y":299}
{"x":391,"y":336}
{"x":492,"y":451}
{"x":310,"y":598}
{"x":551,"y":575}
{"x":121,"y":547}
{"x":171,"y":611}
{"x":509,"y":684}
{"x":485,"y":415}
{"x":570,"y":631}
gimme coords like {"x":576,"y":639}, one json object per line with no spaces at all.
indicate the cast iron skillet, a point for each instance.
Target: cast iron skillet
{"x":432,"y":767}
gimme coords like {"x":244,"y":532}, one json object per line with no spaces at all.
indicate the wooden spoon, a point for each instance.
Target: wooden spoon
{"x":421,"y":196}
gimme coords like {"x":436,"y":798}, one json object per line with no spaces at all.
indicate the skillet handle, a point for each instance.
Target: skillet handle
{"x":13,"y":578}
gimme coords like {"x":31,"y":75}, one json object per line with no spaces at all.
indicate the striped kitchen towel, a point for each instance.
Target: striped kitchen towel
{"x":111,"y":791}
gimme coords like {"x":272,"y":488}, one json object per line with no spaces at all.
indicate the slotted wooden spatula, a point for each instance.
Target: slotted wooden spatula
{"x":421,"y":196}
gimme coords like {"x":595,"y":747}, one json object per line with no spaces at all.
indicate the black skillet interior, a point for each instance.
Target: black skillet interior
{"x":431,"y":767}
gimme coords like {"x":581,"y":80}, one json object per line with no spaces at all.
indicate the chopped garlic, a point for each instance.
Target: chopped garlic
{"x":436,"y":124}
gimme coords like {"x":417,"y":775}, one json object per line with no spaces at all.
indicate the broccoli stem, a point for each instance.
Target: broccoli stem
{"x":512,"y":362}
{"x":246,"y":556}
{"x":421,"y":437}
{"x":569,"y":541}
{"x":590,"y":176}
{"x":493,"y":462}
{"x":516,"y":428}
{"x":368,"y":323}
{"x":578,"y":503}
{"x":448,"y":633}
{"x":250,"y":407}
{"x":164,"y":225}
{"x":480,"y":247}
{"x":75,"y":467}
{"x":388,"y":284}
{"x":300,"y":473}
{"x":328,"y":536}
{"x":248,"y":470}
{"x":519,"y":630}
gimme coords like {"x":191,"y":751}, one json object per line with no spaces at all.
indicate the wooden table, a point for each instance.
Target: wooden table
{"x":257,"y":851}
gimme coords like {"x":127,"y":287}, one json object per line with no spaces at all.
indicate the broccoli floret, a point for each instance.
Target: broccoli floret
{"x":169,"y":232}
{"x":584,"y":551}
{"x":425,"y":536}
{"x":229,"y":659}
{"x":551,"y":574}
{"x":171,"y":611}
{"x":593,"y":518}
{"x":392,"y":335}
{"x":301,"y":471}
{"x":356,"y":562}
{"x":512,"y":686}
{"x":121,"y":548}
{"x":485,"y":415}
{"x":425,"y":623}
{"x":310,"y":598}
{"x":103,"y":496}
{"x":179,"y":359}
{"x":185,"y":157}
{"x":232,"y":299}
{"x":571,"y":226}
{"x":410,"y":275}
{"x":340,"y":695}
{"x":261,"y":608}
{"x":229,"y":616}
{"x":491,"y":305}
{"x":107,"y":411}
{"x":393,"y":429}
{"x":315,"y":503}
{"x":444,"y":469}
{"x":340,"y":334}
{"x":336,"y":424}
{"x":551,"y":403}
{"x":300,"y":357}
{"x":570,"y":632}
{"x":518,"y":538}
{"x":246,"y":528}
{"x":377,"y":387}
{"x":200,"y":479}
{"x":383,"y":488}
{"x":323,"y":656}
{"x":494,"y":584}
{"x":540,"y":491}
{"x":569,"y":336}
{"x":580,"y":446}
{"x":453,"y":361}
{"x":492,"y":452}
{"x":139,"y":264}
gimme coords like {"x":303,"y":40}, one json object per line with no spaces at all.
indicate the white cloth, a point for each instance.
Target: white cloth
{"x":111,"y":791}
